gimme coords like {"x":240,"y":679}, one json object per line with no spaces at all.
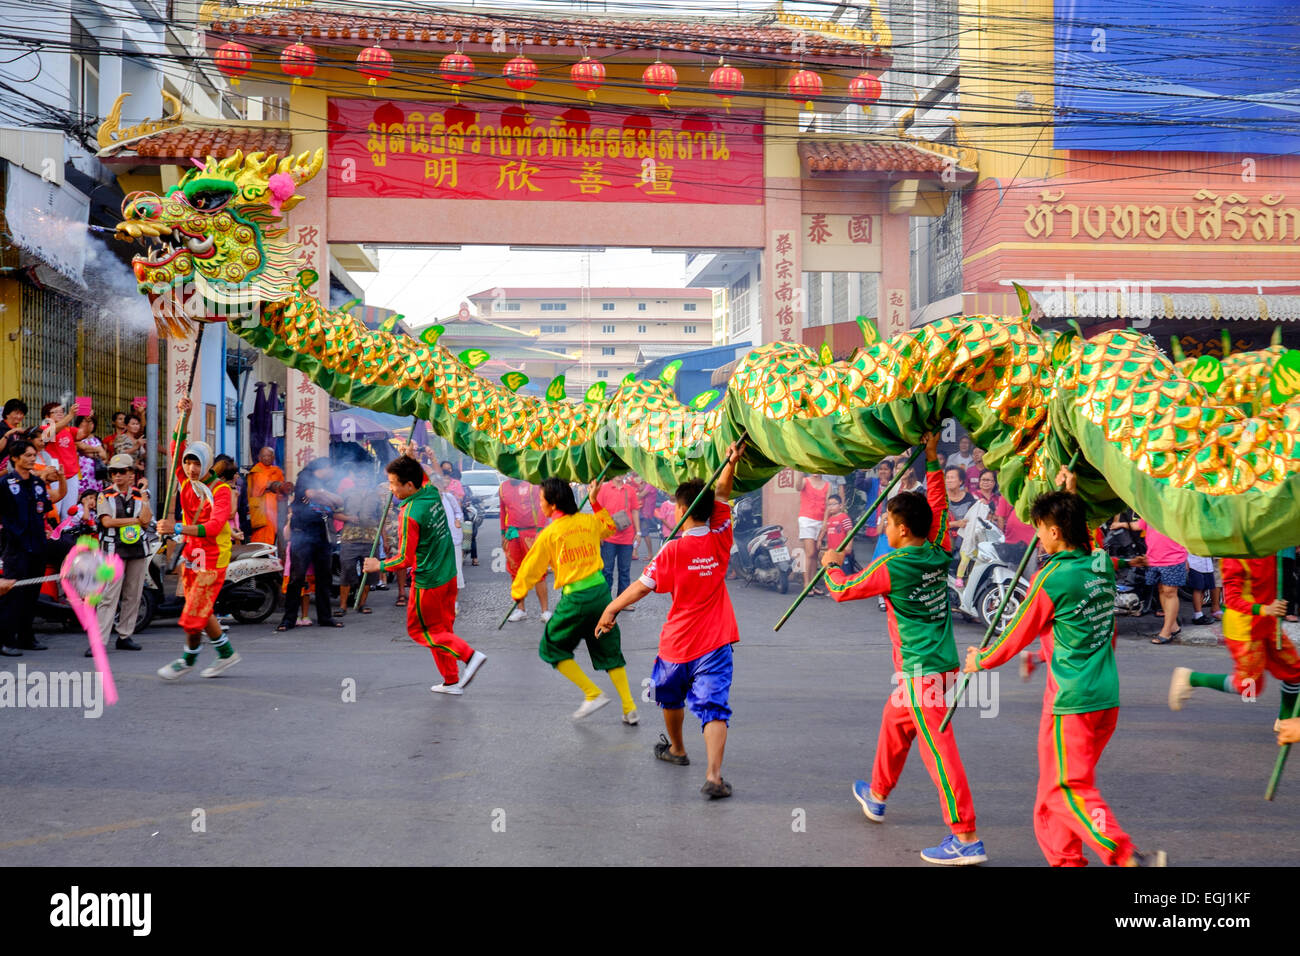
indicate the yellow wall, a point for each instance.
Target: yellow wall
{"x":1007,"y":47}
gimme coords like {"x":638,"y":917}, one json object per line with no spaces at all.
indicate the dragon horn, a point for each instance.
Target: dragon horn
{"x":231,"y":163}
{"x":1177,"y":348}
{"x":303,"y":166}
{"x":1276,"y":338}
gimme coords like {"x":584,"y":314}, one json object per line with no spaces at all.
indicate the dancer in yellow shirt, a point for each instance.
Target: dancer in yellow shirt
{"x":570,"y":544}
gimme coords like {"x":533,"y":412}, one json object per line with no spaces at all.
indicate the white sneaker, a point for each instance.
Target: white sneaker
{"x":547,"y":615}
{"x":518,"y":614}
{"x":1180,"y":687}
{"x":631,"y":719}
{"x":454,"y":689}
{"x":881,"y":604}
{"x":471,"y":667}
{"x":221,"y":664}
{"x":589,"y":707}
{"x":176,"y":669}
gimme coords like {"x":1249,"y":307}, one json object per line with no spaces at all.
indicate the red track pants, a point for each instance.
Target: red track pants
{"x":1069,"y":811}
{"x":917,"y":707}
{"x":430,"y":617}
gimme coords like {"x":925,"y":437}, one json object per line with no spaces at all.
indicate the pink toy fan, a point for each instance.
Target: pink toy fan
{"x":86,"y":574}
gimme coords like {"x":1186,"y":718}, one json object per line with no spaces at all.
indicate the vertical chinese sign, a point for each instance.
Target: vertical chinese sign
{"x":180,"y":360}
{"x":306,"y":406}
{"x":897,"y":315}
{"x":787,"y":288}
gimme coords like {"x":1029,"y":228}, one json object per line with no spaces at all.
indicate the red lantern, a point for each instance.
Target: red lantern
{"x":588,"y":75}
{"x":298,"y":61}
{"x":233,"y":60}
{"x":865,"y":89}
{"x":455,"y":69}
{"x":726,"y":80}
{"x":660,"y":79}
{"x":520,"y":74}
{"x":805,"y":85}
{"x":376,"y":63}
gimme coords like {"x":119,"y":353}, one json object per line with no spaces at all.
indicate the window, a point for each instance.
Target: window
{"x":553,"y":328}
{"x":607,"y":307}
{"x":83,"y":78}
{"x":688,"y":329}
{"x":607,"y":329}
{"x":554,"y":306}
{"x":640,"y":306}
{"x":562,"y":349}
{"x":688,"y":306}
{"x":741,"y":307}
{"x":640,"y":330}
{"x":607,"y":350}
{"x":602,"y":373}
{"x":505,"y":306}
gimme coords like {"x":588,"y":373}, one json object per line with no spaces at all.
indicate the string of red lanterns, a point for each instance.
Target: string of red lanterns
{"x":726,"y":80}
{"x":660,"y":79}
{"x":588,"y":75}
{"x":376,"y":64}
{"x":233,"y":60}
{"x":806,"y":85}
{"x":298,"y":60}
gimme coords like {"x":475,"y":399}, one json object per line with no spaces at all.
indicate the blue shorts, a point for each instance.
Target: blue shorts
{"x":1174,"y":575}
{"x":1200,"y":580}
{"x":702,"y":684}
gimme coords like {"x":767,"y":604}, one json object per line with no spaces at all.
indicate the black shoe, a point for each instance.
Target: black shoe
{"x":663,"y":751}
{"x":716,"y":791}
{"x":126,"y":644}
{"x":33,"y":645}
{"x":10,"y":652}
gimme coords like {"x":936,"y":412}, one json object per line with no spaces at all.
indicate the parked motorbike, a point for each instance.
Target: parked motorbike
{"x":250,"y":593}
{"x":1133,"y":596}
{"x":990,"y":569}
{"x":473,"y":512}
{"x":759,"y":553}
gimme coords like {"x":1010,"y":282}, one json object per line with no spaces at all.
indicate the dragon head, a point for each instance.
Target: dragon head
{"x":214,"y":248}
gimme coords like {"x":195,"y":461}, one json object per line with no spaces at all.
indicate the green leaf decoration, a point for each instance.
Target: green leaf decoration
{"x":349,"y":305}
{"x":514,"y":380}
{"x":629,"y":378}
{"x":701,"y":401}
{"x":669,"y":374}
{"x":870,"y":334}
{"x":1207,"y":371}
{"x":1284,"y":382}
{"x":431,"y":335}
{"x":1226,"y":337}
{"x":307,"y":278}
{"x":1026,"y":305}
{"x":1062,"y":348}
{"x":596,"y":394}
{"x":474,"y":357}
{"x":390,"y":324}
{"x":1176,"y":348}
{"x":555,"y":391}
{"x":1276,"y":337}
{"x":824,"y":355}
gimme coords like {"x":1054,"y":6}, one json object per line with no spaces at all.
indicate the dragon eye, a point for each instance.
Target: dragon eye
{"x":209,"y":200}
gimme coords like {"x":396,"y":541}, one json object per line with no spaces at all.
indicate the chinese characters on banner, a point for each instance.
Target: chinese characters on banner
{"x":180,"y":359}
{"x":898,"y":317}
{"x":306,"y":406}
{"x":834,"y":243}
{"x":787,"y":288}
{"x":439,"y":150}
{"x":784,"y":481}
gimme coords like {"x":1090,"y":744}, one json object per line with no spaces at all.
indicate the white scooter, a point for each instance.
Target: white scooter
{"x":989,"y":565}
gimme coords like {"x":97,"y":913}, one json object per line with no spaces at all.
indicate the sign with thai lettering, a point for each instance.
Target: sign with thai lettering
{"x":541,"y":152}
{"x":1204,"y":215}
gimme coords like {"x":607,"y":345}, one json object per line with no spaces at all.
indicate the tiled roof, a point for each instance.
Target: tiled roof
{"x":849,"y":156}
{"x":735,"y":35}
{"x":594,"y":293}
{"x":200,"y":142}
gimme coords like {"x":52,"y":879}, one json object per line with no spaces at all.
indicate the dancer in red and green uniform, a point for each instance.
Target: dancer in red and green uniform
{"x":1071,"y":606}
{"x":1252,"y":617}
{"x":914,"y":581}
{"x":205,"y":523}
{"x":425,"y":545}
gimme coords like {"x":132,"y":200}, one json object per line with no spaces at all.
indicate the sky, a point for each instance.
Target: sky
{"x":428,"y":285}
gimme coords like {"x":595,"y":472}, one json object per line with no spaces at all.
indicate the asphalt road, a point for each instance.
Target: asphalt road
{"x":270,"y":764}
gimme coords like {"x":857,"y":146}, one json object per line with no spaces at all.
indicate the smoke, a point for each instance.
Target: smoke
{"x":111,"y":288}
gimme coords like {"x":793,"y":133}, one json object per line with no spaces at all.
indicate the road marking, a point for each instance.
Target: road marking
{"x":121,"y":826}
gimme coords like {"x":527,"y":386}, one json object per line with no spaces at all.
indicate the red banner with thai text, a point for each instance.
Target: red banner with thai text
{"x":424,"y":150}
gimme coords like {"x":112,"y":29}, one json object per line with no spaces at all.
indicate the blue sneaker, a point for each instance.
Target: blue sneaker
{"x":874,"y":809}
{"x":952,"y":852}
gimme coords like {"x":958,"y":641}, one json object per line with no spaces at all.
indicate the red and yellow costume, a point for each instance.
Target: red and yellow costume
{"x":521,"y":509}
{"x":206,"y":554}
{"x":1250,"y":585}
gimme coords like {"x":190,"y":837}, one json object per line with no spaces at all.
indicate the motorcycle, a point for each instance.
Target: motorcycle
{"x":759,"y":552}
{"x":473,"y":512}
{"x":250,"y":592}
{"x":989,"y":563}
{"x":1133,"y":596}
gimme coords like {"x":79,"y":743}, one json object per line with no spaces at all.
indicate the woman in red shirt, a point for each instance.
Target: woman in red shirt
{"x":813,"y":491}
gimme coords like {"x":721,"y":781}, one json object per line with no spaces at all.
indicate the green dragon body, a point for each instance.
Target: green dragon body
{"x":1207,"y":454}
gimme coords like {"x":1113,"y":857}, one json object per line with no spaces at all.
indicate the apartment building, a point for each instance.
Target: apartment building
{"x":608,"y":331}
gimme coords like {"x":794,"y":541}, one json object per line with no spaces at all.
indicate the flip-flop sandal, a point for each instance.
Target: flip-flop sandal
{"x":1166,"y":640}
{"x":400,"y":602}
{"x":340,"y":611}
{"x":365,"y":610}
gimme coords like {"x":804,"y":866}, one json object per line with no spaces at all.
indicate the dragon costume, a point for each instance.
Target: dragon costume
{"x":1205,"y":450}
